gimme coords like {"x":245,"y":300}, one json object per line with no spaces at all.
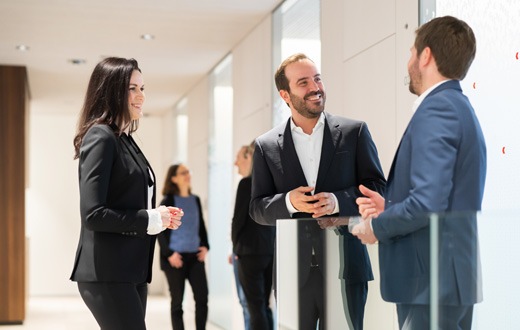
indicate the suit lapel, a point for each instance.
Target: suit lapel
{"x":331,"y":136}
{"x":291,"y":166}
{"x":134,"y":150}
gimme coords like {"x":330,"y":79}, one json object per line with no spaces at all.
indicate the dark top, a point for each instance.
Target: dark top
{"x":164,"y":237}
{"x":249,"y":237}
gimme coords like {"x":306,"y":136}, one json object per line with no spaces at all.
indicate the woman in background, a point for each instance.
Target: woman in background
{"x":183,"y":251}
{"x":117,"y":190}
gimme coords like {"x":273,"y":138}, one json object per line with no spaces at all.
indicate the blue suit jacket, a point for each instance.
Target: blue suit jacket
{"x":440,"y":166}
{"x":348,"y":158}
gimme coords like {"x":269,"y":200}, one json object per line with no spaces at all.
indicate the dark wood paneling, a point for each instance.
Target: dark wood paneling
{"x":13,"y":109}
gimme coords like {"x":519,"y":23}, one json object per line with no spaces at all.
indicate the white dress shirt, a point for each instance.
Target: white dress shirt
{"x":308,"y":149}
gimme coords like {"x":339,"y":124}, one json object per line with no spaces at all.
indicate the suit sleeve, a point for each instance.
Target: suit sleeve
{"x":97,"y":157}
{"x":435,"y":138}
{"x":266,"y":204}
{"x":368,"y":173}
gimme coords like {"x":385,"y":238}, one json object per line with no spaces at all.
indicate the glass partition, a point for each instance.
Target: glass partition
{"x":493,"y":258}
{"x":484,"y":270}
{"x":303,"y":248}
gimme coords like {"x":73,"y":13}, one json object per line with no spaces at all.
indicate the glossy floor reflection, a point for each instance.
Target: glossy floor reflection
{"x":66,"y":313}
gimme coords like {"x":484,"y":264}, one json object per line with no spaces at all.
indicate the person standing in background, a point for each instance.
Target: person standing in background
{"x":232,"y":259}
{"x":311,"y":167}
{"x":114,"y":257}
{"x":253,"y":244}
{"x":183,"y":252}
{"x":439,"y":167}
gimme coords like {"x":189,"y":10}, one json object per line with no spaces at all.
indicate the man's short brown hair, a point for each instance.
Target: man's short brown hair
{"x":452,"y":44}
{"x":281,"y":81}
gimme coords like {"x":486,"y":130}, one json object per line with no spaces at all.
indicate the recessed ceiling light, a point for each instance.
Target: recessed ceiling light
{"x":77,"y":61}
{"x":22,"y":48}
{"x":147,"y":36}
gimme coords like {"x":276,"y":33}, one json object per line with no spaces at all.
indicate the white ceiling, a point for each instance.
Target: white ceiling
{"x":191,"y":37}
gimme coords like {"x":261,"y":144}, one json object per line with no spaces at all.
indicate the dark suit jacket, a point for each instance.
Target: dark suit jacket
{"x":440,"y":166}
{"x":164,"y":237}
{"x":113,"y":184}
{"x":249,"y":237}
{"x":348,"y":158}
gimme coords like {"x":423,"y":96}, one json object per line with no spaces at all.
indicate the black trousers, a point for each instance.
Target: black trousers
{"x":311,"y":302}
{"x":412,"y":317}
{"x":255,"y":273}
{"x":356,"y":295}
{"x":116,"y":306}
{"x":193,"y":271}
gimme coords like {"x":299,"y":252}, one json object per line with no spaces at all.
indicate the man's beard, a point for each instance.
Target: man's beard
{"x":415,"y":79}
{"x":300,"y":105}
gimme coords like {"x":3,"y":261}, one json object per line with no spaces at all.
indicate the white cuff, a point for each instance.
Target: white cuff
{"x":290,"y":207}
{"x":336,"y":205}
{"x":154,"y":222}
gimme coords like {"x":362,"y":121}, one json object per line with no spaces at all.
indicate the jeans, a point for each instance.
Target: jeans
{"x":241,"y":295}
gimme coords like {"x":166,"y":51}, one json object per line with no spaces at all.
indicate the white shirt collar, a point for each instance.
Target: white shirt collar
{"x":421,"y":98}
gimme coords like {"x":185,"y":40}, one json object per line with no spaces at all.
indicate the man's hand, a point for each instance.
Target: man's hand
{"x":372,"y":205}
{"x":364,"y":232}
{"x":301,"y":201}
{"x":324,"y":205}
{"x":333,"y":222}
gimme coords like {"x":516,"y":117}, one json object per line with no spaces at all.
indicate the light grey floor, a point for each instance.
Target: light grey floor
{"x":70,"y":313}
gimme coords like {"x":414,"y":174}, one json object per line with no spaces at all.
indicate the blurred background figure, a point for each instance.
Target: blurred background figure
{"x":183,"y":251}
{"x":253,"y":245}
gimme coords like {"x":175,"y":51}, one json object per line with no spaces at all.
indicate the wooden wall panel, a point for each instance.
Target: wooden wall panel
{"x":14,"y":103}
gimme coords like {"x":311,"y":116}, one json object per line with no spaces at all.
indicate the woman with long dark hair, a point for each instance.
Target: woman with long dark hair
{"x":117,"y":194}
{"x":183,"y":251}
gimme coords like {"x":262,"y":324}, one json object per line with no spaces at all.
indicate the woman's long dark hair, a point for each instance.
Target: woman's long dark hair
{"x":169,"y":187}
{"x":106,"y":101}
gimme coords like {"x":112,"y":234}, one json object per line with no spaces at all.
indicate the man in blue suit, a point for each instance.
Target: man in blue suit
{"x":439,"y":167}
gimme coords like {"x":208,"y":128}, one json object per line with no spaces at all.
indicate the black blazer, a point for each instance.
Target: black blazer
{"x":164,"y":237}
{"x":249,"y":237}
{"x":348,"y":158}
{"x":113,"y":183}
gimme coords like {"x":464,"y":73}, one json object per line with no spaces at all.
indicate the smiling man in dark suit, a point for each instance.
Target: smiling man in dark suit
{"x":310,"y":167}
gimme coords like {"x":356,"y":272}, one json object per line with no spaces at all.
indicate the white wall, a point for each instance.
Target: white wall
{"x":52,"y":205}
{"x":252,"y":85}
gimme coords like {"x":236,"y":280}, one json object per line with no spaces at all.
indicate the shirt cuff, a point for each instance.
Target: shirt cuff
{"x":290,"y":207}
{"x":154,"y":222}
{"x":336,"y":205}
